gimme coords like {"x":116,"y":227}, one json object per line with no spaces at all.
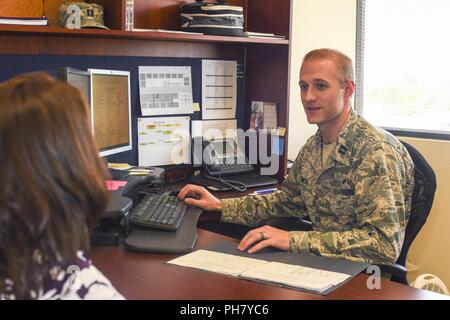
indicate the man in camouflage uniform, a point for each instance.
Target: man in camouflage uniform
{"x":353,"y":180}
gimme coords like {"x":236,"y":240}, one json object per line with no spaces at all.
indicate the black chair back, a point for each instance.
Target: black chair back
{"x":422,"y":199}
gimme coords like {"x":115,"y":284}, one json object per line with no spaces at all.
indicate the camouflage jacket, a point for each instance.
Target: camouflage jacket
{"x":358,"y":202}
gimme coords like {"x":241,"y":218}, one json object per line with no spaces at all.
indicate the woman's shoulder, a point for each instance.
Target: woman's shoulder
{"x":80,"y":281}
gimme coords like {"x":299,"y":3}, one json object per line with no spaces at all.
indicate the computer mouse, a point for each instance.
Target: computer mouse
{"x":195,"y":196}
{"x":174,"y":193}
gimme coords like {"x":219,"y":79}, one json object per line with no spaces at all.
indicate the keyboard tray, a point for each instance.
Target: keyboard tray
{"x":144,"y":239}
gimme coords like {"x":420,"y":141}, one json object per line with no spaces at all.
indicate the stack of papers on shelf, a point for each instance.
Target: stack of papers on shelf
{"x":165,"y":31}
{"x":263,"y":35}
{"x":29,"y":21}
{"x":119,"y":166}
{"x":315,"y":274}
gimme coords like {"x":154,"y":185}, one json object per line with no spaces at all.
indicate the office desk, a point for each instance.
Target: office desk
{"x":146,"y":276}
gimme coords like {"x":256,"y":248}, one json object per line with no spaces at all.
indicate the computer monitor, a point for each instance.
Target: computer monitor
{"x":111,"y":110}
{"x":80,"y":79}
{"x":108,"y":95}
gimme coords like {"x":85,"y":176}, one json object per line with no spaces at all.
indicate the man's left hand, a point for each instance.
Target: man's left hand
{"x":265,"y":236}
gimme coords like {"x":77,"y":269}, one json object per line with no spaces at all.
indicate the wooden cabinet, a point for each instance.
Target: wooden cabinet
{"x":266,"y":61}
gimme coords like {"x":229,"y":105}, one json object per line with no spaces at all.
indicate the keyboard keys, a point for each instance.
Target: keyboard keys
{"x":159,"y":211}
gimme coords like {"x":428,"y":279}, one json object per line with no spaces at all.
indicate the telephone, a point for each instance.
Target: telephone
{"x":136,"y":183}
{"x":120,"y":202}
{"x":223,"y":157}
{"x":226,"y":166}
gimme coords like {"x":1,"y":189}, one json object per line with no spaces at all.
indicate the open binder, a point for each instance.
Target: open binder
{"x":296,"y":271}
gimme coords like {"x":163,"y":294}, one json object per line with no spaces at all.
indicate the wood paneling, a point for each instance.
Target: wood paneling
{"x":269,"y":16}
{"x":37,"y":31}
{"x":51,"y":10}
{"x":114,"y":13}
{"x":267,"y":70}
{"x":61,"y":45}
{"x":158,"y":14}
{"x":21,"y":8}
{"x":266,"y":60}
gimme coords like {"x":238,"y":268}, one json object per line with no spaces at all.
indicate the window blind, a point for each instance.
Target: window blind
{"x":403,"y":65}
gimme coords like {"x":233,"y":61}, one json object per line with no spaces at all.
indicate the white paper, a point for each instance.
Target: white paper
{"x":163,"y":141}
{"x":296,"y":276}
{"x":219,"y":89}
{"x":256,"y":269}
{"x":214,"y":129}
{"x":165,"y":90}
{"x":217,"y":262}
{"x":165,"y":31}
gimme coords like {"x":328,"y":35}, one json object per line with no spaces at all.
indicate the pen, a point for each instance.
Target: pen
{"x":261,"y":192}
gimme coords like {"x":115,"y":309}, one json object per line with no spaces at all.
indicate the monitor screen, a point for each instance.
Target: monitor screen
{"x":111,"y":110}
{"x":80,"y":79}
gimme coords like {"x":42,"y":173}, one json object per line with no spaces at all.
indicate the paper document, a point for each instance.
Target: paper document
{"x":290,"y":275}
{"x":217,"y":262}
{"x":165,"y":90}
{"x":219,"y":89}
{"x":30,"y":21}
{"x":214,"y":129}
{"x":263,"y":35}
{"x":120,"y":166}
{"x":165,"y":31}
{"x":163,"y":141}
{"x":296,"y":276}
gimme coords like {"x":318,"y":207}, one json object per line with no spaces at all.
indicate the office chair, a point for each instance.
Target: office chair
{"x":422,"y":200}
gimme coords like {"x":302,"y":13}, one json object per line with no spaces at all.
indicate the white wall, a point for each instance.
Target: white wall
{"x":331,"y":23}
{"x":315,"y":24}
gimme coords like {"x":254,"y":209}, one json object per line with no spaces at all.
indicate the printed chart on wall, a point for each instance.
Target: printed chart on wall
{"x":214,"y":129}
{"x":165,"y":90}
{"x":163,"y":141}
{"x":219,"y":89}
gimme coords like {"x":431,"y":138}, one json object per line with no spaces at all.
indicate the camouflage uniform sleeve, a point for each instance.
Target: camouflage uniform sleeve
{"x":383,"y":190}
{"x":251,"y":210}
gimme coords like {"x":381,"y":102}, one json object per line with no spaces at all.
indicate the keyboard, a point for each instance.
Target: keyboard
{"x":162,"y":211}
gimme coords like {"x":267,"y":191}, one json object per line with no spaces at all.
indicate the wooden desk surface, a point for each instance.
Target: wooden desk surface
{"x":146,"y":276}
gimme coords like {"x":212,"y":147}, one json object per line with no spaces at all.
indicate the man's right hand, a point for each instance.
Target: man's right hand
{"x":203,"y":198}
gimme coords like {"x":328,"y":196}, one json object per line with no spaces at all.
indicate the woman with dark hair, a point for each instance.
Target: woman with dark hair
{"x":52,"y":194}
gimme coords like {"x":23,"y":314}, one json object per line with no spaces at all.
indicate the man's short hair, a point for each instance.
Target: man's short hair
{"x":343,"y":63}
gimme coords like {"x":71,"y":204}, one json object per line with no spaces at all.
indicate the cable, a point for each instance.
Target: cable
{"x":233,"y":184}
